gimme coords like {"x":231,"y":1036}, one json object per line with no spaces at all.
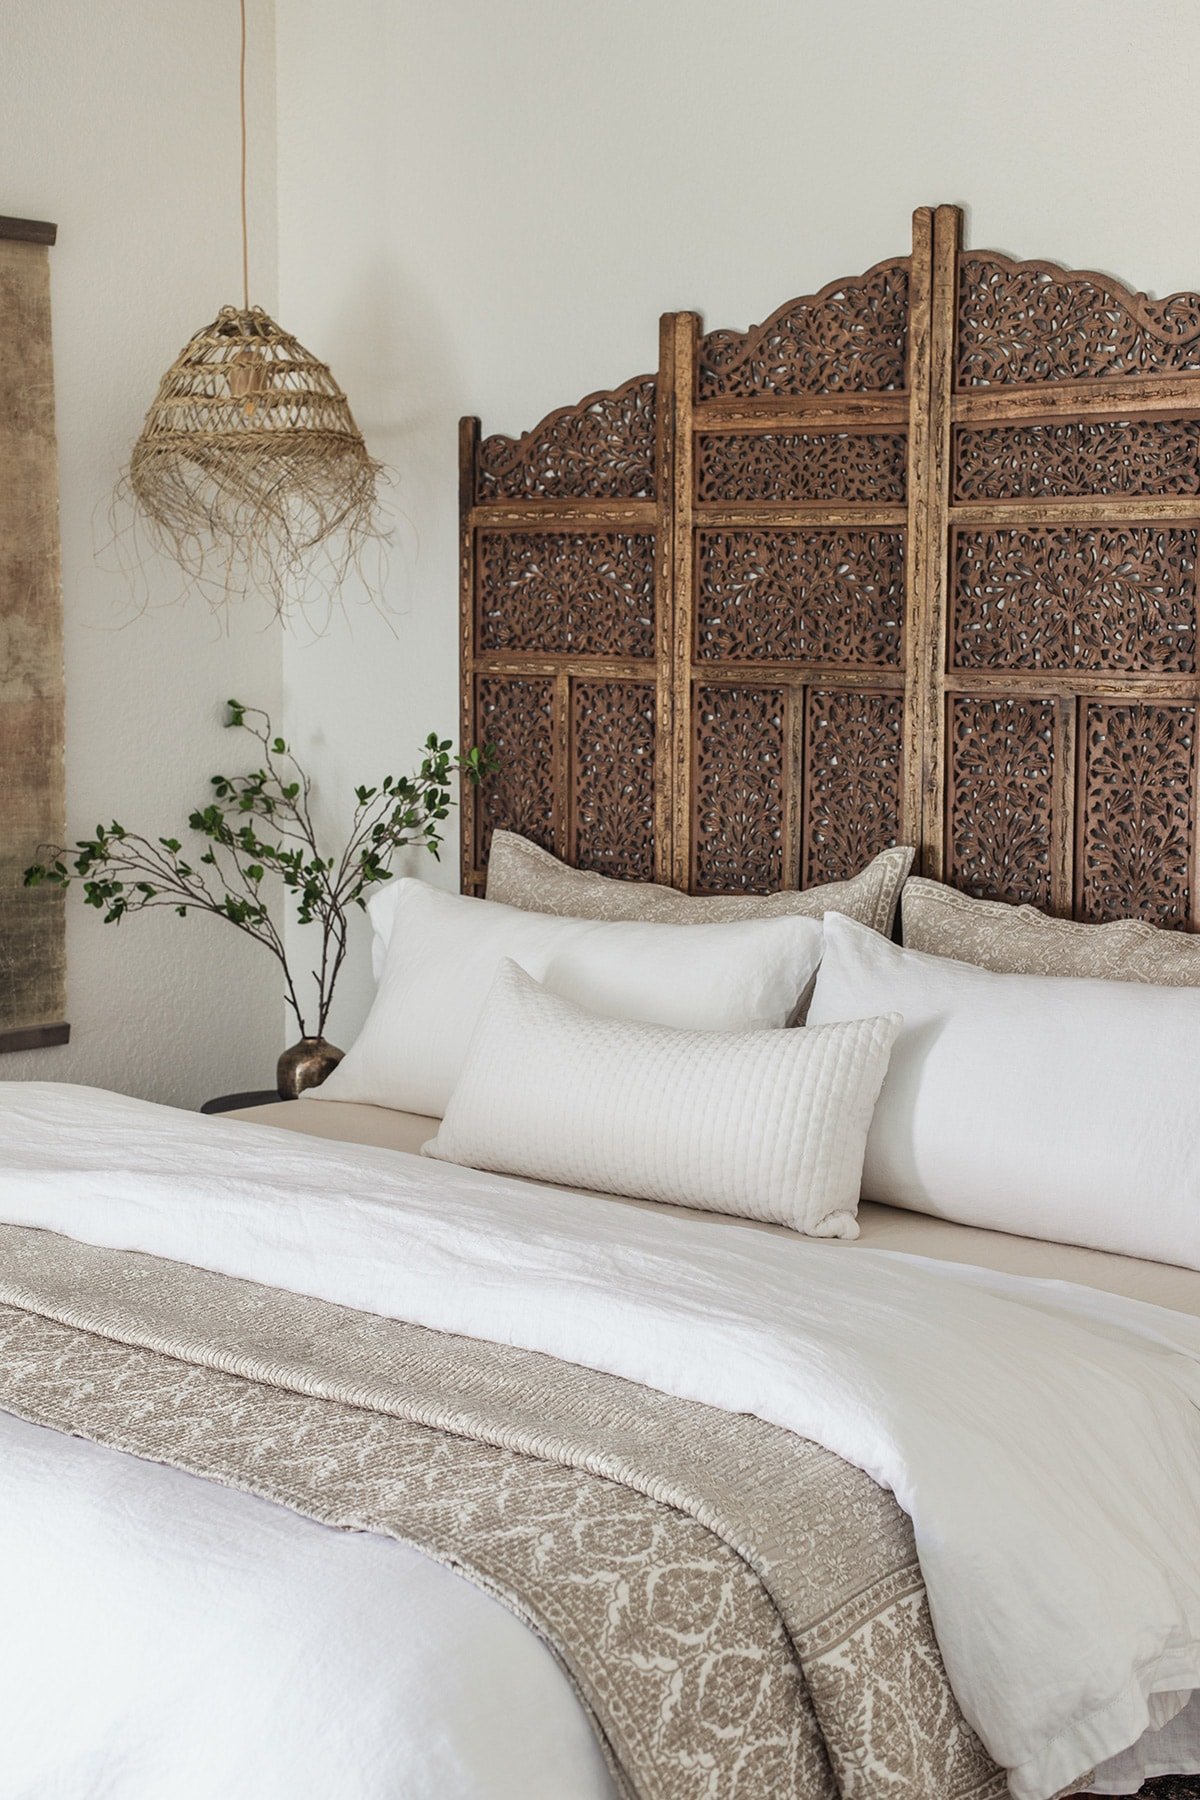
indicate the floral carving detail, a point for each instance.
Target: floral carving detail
{"x":852,"y":337}
{"x":1076,"y":597}
{"x":517,"y":717}
{"x":802,"y":465}
{"x":1136,"y":842}
{"x":738,"y":790}
{"x":852,"y":780}
{"x":822,"y":595}
{"x":1118,"y":456}
{"x":602,"y":449}
{"x":1001,"y":757}
{"x":1033,"y":321}
{"x":591,"y":592}
{"x":612,"y":745}
{"x":1107,"y":606}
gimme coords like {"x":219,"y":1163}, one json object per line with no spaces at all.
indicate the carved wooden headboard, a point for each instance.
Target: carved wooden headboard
{"x":914,"y":561}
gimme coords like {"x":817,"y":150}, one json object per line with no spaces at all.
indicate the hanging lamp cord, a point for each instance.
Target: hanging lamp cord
{"x":245,"y":226}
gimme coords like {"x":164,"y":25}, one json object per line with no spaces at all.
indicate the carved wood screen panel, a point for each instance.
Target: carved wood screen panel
{"x":794,"y":584}
{"x":915,"y":560}
{"x":1067,"y":689}
{"x":565,"y":623}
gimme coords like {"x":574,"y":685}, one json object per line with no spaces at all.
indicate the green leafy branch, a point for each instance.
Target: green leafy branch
{"x":259,"y":827}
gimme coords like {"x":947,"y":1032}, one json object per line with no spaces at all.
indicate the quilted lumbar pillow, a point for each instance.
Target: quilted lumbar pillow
{"x":1020,"y":940}
{"x":444,"y":950}
{"x":523,"y":874}
{"x":1036,"y":1104}
{"x":765,"y":1124}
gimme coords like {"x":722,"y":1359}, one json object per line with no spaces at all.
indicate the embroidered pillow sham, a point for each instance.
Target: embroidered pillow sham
{"x":764,"y":1124}
{"x":1020,"y":940}
{"x":523,"y":874}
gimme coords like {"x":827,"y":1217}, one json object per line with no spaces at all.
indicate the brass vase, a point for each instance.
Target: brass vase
{"x":305,"y":1065}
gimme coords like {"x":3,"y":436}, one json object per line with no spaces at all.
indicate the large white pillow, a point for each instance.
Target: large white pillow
{"x":523,"y":874}
{"x":445,"y":949}
{"x":1036,"y":1104}
{"x":764,"y":1124}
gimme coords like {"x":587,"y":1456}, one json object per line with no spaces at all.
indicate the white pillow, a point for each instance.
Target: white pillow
{"x":764,"y":1124}
{"x":1036,"y":1104}
{"x":445,"y":950}
{"x":523,"y":874}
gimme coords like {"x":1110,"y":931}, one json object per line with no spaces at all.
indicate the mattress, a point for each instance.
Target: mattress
{"x":881,"y":1227}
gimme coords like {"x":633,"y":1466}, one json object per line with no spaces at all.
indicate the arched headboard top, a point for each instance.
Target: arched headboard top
{"x":1028,"y":322}
{"x":600,"y":449}
{"x":913,"y":560}
{"x":851,"y":337}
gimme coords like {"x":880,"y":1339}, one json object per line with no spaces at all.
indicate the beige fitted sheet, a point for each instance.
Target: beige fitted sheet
{"x":882,"y":1227}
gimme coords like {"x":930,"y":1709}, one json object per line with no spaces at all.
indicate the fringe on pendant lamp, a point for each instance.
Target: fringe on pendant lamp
{"x":250,"y":461}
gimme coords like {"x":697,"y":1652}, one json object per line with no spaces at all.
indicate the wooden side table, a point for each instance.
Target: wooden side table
{"x":231,"y":1102}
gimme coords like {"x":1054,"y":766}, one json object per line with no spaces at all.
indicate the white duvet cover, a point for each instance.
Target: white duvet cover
{"x":1045,"y":1439}
{"x":164,"y":1638}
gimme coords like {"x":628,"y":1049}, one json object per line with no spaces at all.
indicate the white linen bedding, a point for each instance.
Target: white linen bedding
{"x":880,"y":1227}
{"x":166,"y":1638}
{"x":1058,"y":1522}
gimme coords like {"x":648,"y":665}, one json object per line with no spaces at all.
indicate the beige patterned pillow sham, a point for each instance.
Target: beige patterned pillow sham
{"x":1020,"y":940}
{"x":523,"y":874}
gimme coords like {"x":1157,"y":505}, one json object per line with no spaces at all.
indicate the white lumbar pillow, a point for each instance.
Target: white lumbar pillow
{"x":765,"y":1124}
{"x":1036,"y":1104}
{"x":444,"y":951}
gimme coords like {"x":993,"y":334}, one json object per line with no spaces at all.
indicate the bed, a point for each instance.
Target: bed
{"x":330,"y":1468}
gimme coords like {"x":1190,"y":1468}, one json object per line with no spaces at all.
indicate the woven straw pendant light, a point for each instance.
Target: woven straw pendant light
{"x":250,"y":471}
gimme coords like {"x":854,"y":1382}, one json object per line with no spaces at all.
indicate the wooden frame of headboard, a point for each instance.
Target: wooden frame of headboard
{"x":913,"y":561}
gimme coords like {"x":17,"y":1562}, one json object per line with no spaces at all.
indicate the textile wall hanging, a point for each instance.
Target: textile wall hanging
{"x":32,"y":801}
{"x":913,"y":561}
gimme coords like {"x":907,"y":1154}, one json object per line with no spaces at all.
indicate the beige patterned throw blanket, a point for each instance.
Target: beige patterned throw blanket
{"x":740,"y":1612}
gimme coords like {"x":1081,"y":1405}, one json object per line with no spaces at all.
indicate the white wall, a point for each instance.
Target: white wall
{"x":485,"y":204}
{"x":118,"y":120}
